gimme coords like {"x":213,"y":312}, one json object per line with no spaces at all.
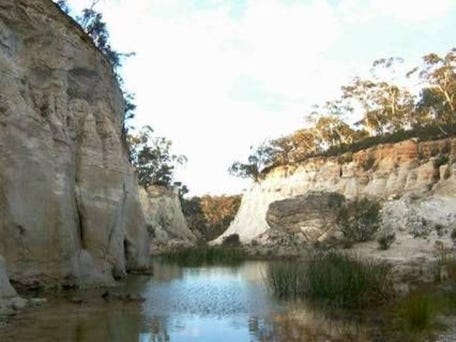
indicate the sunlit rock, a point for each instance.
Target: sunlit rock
{"x":68,"y":196}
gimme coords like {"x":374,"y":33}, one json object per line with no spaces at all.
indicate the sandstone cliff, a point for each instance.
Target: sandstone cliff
{"x":417,"y":180}
{"x":69,"y":204}
{"x":165,"y":221}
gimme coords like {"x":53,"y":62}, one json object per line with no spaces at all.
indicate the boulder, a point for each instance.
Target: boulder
{"x":313,"y":214}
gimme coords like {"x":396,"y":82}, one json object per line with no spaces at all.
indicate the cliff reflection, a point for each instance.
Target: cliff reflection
{"x":182,"y":304}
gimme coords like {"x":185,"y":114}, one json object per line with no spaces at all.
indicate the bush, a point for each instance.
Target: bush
{"x":417,"y":312}
{"x":424,"y":133}
{"x":386,"y":239}
{"x":334,"y":279}
{"x":231,"y":240}
{"x":453,"y":235}
{"x":441,"y":160}
{"x":439,"y":229}
{"x":359,"y":220}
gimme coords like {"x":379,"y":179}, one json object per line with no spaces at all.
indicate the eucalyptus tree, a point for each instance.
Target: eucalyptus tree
{"x":438,"y":95}
{"x":260,"y":158}
{"x":152,"y":158}
{"x":385,"y":105}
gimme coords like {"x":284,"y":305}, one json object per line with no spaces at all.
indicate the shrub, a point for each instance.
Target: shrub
{"x":368,"y":163}
{"x":453,"y":235}
{"x":386,"y":239}
{"x":441,"y":160}
{"x":417,"y":312}
{"x":231,"y":240}
{"x":359,"y":220}
{"x":439,"y":229}
{"x":334,"y":279}
{"x":345,"y":158}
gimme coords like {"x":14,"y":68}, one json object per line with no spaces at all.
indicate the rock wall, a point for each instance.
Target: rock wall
{"x":420,"y":176}
{"x":165,"y":221}
{"x":9,"y":299}
{"x":69,"y":204}
{"x":312,"y":215}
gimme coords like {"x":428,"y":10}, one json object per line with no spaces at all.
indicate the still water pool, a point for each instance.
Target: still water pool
{"x":214,"y":303}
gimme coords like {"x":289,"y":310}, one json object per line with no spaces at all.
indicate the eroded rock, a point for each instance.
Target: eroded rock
{"x":69,"y":205}
{"x":313,"y":215}
{"x":9,"y":299}
{"x":384,"y":172}
{"x":165,"y":221}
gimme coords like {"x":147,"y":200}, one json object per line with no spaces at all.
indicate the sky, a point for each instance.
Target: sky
{"x":218,"y":76}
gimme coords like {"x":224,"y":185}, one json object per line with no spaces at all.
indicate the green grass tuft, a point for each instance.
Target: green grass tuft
{"x":336,"y":279}
{"x":417,"y":312}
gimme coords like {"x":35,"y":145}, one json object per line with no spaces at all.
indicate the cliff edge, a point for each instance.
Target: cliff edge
{"x":69,"y":204}
{"x":394,"y":173}
{"x":165,"y":222}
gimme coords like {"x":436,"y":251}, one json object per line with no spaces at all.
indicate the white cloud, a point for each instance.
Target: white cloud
{"x":188,"y":65}
{"x":410,"y":11}
{"x":216,"y":83}
{"x":413,"y":10}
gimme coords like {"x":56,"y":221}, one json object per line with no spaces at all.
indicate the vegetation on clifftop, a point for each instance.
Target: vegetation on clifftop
{"x":150,"y":155}
{"x":368,"y":112}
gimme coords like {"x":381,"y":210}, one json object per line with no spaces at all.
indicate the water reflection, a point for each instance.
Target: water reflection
{"x":233,"y":304}
{"x":206,"y":303}
{"x":183,"y":304}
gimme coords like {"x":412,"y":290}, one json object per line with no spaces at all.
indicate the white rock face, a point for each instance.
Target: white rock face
{"x":6,"y":290}
{"x":385,"y":172}
{"x":69,"y":204}
{"x":165,"y":221}
{"x":9,"y":300}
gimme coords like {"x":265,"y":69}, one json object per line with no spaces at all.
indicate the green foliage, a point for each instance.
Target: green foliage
{"x":93,"y":24}
{"x":345,"y":158}
{"x":386,"y":239}
{"x":63,"y":4}
{"x":152,"y":158}
{"x":441,"y":160}
{"x":345,"y":281}
{"x":359,"y":220}
{"x":369,"y":162}
{"x":210,"y":216}
{"x":389,"y":113}
{"x":231,"y":241}
{"x":335,"y":279}
{"x":259,"y":159}
{"x":425,"y":133}
{"x":286,"y":279}
{"x":417,"y":313}
{"x":453,"y":235}
{"x":204,"y":255}
{"x":438,"y":96}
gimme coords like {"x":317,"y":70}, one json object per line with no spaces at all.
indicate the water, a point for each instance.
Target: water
{"x":182,"y":304}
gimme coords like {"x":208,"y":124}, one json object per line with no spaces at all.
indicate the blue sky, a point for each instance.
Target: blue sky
{"x":217,"y":76}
